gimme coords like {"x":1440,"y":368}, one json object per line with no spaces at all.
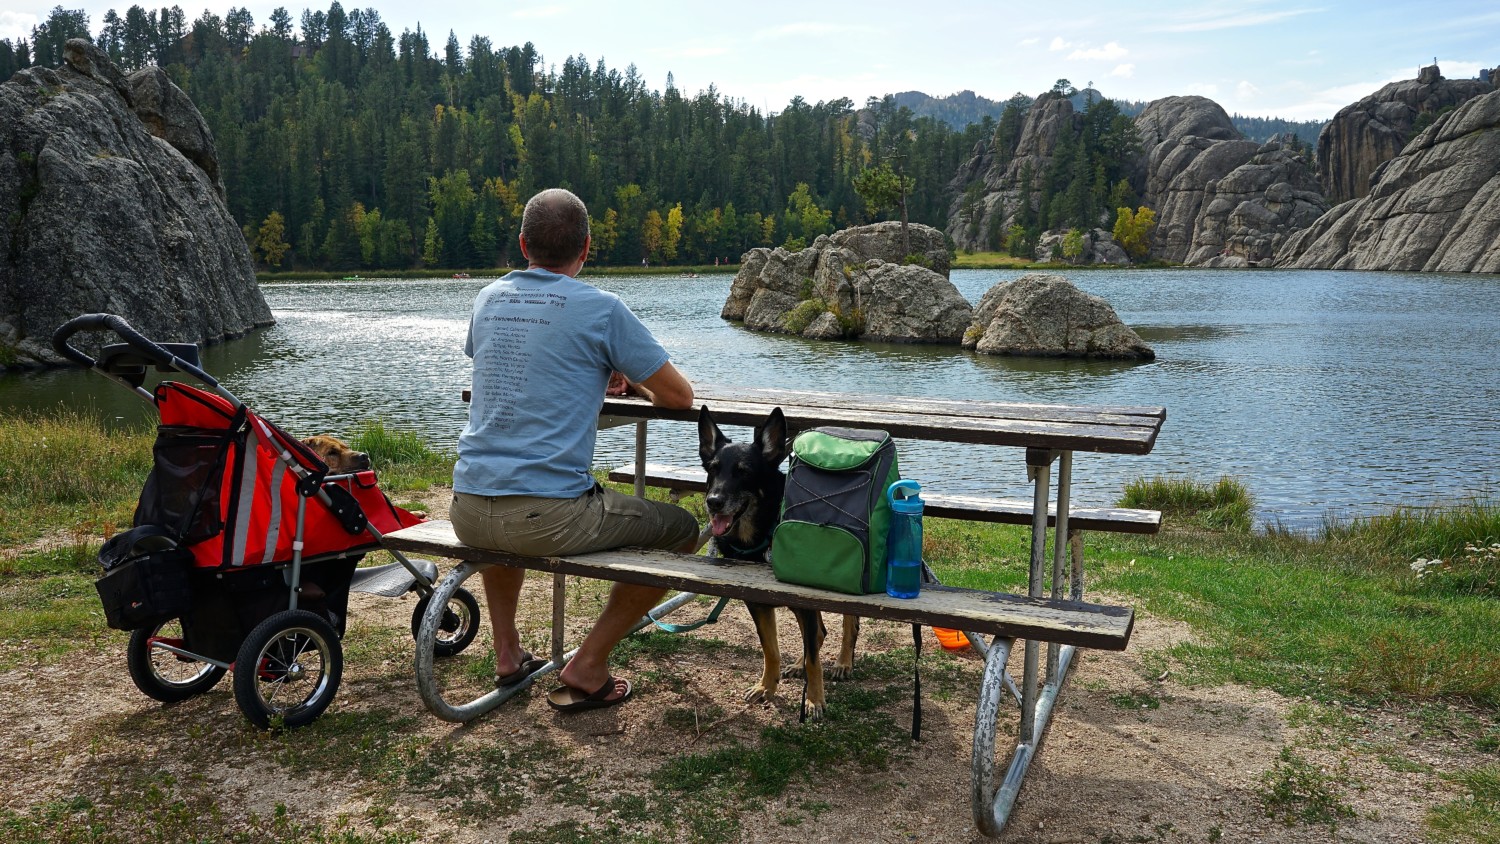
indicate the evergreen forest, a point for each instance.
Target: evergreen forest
{"x":345,"y":146}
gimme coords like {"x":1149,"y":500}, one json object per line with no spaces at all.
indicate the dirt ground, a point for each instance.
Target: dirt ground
{"x":1132,"y":755}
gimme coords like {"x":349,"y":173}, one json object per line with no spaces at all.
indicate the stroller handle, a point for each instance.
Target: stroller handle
{"x":137,"y":341}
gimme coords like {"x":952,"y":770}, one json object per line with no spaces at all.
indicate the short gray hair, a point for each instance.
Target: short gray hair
{"x":555,"y":226}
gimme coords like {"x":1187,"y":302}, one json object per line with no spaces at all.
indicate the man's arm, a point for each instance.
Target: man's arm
{"x":667,"y":387}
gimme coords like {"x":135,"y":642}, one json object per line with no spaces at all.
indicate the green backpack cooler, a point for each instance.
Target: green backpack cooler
{"x":835,"y":514}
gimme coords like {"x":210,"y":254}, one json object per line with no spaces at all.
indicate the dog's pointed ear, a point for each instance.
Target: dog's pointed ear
{"x":771,"y":437}
{"x":710,"y":438}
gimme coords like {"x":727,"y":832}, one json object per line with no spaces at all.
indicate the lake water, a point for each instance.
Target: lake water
{"x":1324,"y":392}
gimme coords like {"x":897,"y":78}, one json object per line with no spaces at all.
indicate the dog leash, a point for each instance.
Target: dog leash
{"x":713,"y":615}
{"x":713,"y":618}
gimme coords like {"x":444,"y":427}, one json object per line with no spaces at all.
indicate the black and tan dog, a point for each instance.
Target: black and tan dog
{"x":337,"y":455}
{"x":745,"y":488}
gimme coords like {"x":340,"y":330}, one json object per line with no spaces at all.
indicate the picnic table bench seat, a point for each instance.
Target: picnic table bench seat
{"x":974,"y":610}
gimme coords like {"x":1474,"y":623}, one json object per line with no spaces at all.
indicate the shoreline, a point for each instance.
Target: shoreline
{"x":975,"y":261}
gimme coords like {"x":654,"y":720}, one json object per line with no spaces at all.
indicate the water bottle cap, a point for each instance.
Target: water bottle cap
{"x":909,"y":502}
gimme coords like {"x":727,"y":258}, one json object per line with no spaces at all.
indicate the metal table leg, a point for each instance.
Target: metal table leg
{"x":992,"y":803}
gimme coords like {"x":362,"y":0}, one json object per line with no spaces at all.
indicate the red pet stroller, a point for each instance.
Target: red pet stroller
{"x":245,"y":548}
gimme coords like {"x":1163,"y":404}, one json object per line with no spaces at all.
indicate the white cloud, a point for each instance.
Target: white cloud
{"x":1124,"y":71}
{"x":539,"y":12}
{"x":1246,"y":91}
{"x":1109,"y":52}
{"x":1236,"y":21}
{"x":15,"y":25}
{"x":1030,"y":42}
{"x":1059,"y":45}
{"x":1461,"y":70}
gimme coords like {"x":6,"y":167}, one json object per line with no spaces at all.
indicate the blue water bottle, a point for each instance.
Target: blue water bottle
{"x":903,"y":547}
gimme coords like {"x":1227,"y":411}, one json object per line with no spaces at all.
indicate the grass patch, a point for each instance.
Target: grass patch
{"x":1223,"y":505}
{"x":1474,"y":817}
{"x":155,"y":806}
{"x":63,"y":469}
{"x":992,"y":261}
{"x":1299,"y":615}
{"x":1430,"y":531}
{"x":1296,"y":791}
{"x":855,"y":730}
{"x":80,"y":555}
{"x":403,"y":459}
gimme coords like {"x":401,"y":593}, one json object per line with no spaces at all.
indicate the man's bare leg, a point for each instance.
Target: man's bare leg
{"x":589,"y":668}
{"x":502,"y":594}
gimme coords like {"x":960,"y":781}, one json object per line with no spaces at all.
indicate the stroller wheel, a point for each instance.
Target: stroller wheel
{"x":458,"y":626}
{"x":288,"y":669}
{"x":161,"y":674}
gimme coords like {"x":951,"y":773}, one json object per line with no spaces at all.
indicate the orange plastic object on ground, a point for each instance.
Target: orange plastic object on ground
{"x":952,"y":640}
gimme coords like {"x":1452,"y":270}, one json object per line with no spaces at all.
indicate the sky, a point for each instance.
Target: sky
{"x":1271,"y":58}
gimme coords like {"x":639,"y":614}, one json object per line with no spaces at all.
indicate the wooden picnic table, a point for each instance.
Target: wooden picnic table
{"x":1047,"y":433}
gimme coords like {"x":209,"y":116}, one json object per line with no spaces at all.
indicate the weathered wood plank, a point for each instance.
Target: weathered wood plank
{"x":1101,"y":414}
{"x":1067,"y":622}
{"x":939,"y":506}
{"x":1028,"y":433}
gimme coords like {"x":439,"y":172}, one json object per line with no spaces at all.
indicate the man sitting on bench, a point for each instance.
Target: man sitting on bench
{"x":544,"y":347}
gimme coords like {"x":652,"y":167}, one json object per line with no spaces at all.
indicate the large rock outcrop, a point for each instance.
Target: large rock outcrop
{"x":1365,"y":135}
{"x":1187,"y":143}
{"x":1251,"y":211}
{"x":1045,"y":315}
{"x":853,"y":284}
{"x":1433,"y":208}
{"x":988,"y":189}
{"x":104,"y":209}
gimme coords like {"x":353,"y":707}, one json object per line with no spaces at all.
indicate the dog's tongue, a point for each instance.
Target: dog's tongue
{"x":720,"y":523}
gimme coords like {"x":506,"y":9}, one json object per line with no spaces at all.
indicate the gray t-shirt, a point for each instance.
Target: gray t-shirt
{"x":543,"y":346}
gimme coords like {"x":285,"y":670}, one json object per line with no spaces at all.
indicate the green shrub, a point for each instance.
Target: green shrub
{"x":1297,"y":791}
{"x":799,"y":318}
{"x":1223,"y":505}
{"x":851,"y":324}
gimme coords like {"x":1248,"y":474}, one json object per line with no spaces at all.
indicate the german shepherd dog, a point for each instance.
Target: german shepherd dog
{"x":745,"y":488}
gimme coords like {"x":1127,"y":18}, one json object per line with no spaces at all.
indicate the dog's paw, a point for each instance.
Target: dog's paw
{"x":815,"y":710}
{"x":839,"y":672}
{"x":794,"y":671}
{"x":760,"y":694}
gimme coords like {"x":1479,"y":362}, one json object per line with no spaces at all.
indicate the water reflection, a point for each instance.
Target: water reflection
{"x":1337,"y":392}
{"x":1185,"y":333}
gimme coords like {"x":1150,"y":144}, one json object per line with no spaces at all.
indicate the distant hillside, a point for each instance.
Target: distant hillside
{"x":966,"y":107}
{"x":956,"y":110}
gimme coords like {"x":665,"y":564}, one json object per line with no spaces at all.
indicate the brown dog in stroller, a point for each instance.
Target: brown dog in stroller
{"x":245,"y":546}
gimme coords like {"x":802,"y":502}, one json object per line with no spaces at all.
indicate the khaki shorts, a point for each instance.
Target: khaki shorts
{"x":598,"y":520}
